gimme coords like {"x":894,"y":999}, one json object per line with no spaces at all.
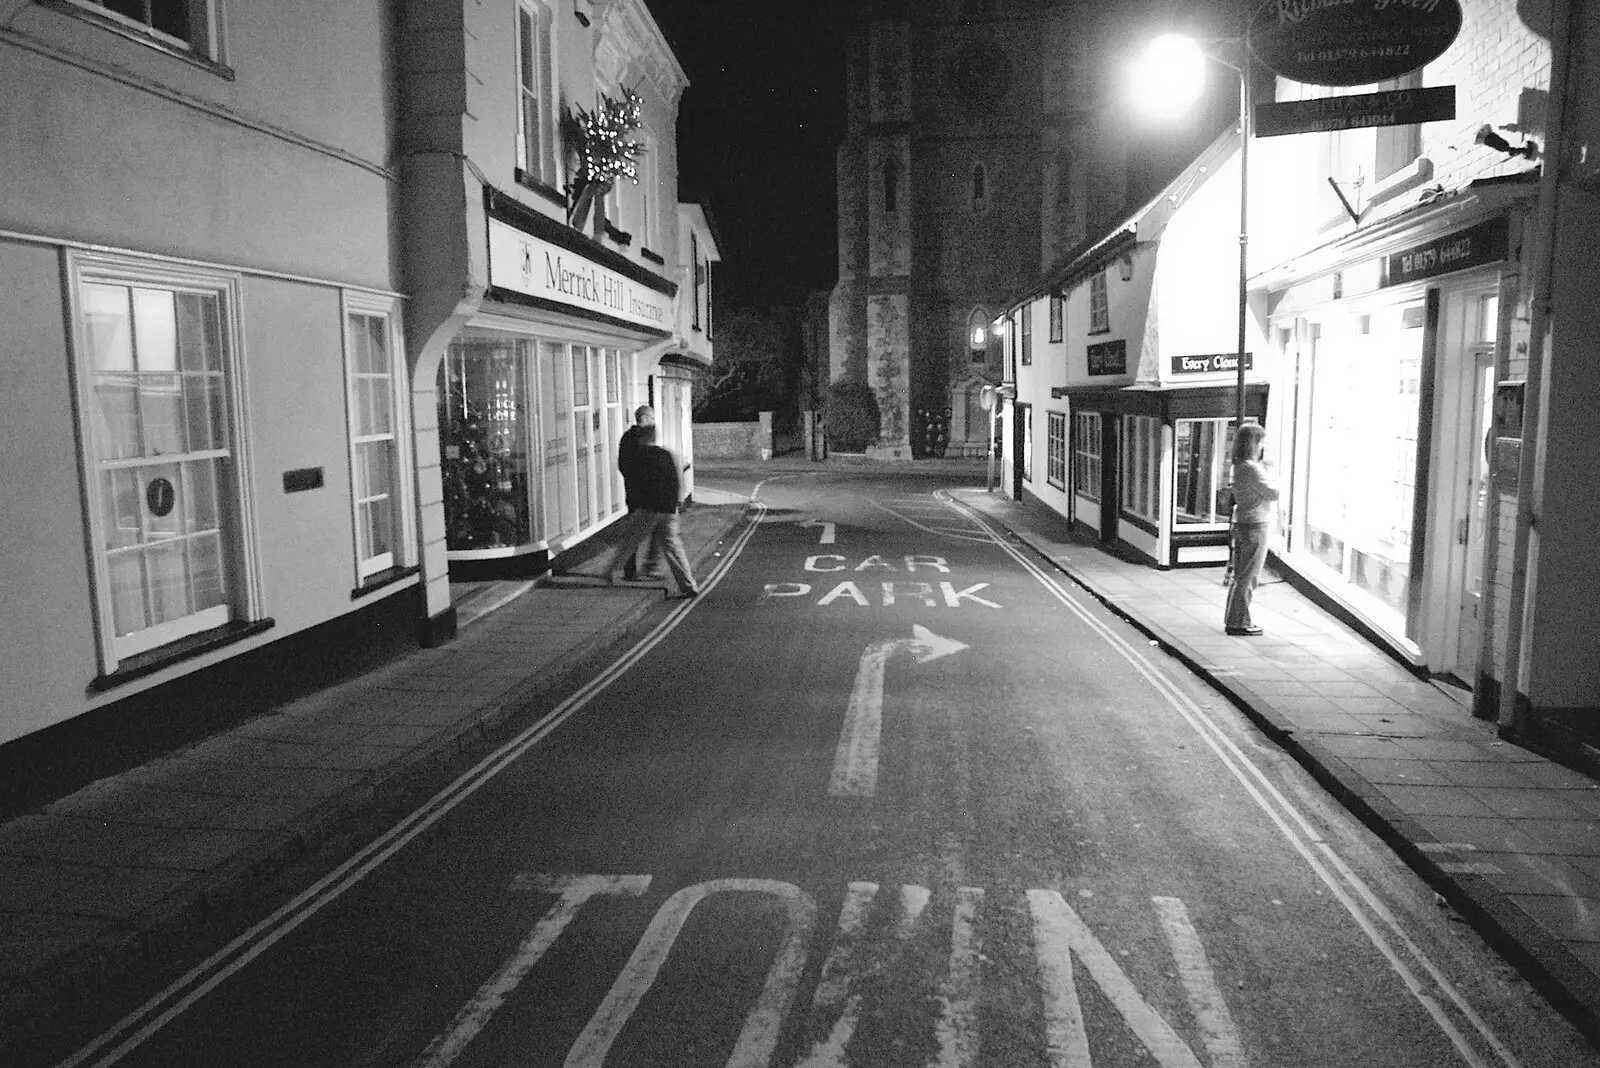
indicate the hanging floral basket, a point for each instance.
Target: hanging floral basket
{"x":607,"y":150}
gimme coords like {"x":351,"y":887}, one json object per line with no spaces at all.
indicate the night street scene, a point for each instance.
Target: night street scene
{"x":860,"y":534}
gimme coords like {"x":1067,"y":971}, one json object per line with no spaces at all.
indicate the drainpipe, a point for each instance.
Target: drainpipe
{"x":1511,"y":720}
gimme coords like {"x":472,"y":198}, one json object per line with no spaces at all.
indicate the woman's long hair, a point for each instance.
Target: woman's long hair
{"x":1247,"y":442}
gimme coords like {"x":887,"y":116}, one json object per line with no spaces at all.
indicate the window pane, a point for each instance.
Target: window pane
{"x":374,"y":476}
{"x":161,"y":411}
{"x":199,"y":334}
{"x":206,"y":585}
{"x":126,"y":574}
{"x":121,"y":502}
{"x":580,"y":377}
{"x":116,"y":416}
{"x":382,"y":405}
{"x":376,"y":527}
{"x":160,"y":486}
{"x":107,"y":331}
{"x":377,"y":347}
{"x":200,"y":495}
{"x":168,"y":580}
{"x":155,"y":330}
{"x":202,"y":398}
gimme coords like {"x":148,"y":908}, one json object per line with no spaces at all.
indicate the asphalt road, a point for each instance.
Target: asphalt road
{"x":886,"y":795}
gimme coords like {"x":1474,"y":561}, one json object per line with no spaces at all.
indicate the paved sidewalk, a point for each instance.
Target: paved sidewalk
{"x":98,"y":884}
{"x":1510,"y":839}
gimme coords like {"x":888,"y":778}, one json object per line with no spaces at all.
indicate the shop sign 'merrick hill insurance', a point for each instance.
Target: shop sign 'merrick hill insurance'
{"x":1352,"y":42}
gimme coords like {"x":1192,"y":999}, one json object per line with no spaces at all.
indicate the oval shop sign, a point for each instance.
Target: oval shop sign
{"x":1352,"y":42}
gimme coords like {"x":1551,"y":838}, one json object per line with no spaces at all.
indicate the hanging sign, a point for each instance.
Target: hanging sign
{"x":1217,"y":361}
{"x":1396,"y":107}
{"x":532,"y":266}
{"x":1108,"y":358}
{"x":1487,"y":242}
{"x":1352,"y":42}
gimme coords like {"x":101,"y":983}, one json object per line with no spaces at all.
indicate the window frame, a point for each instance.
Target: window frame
{"x":1099,"y":304}
{"x":403,"y":551}
{"x":1216,"y":475}
{"x":1055,"y":472}
{"x":203,"y":46}
{"x":545,"y":170}
{"x":234,"y":503}
{"x":1026,"y":315}
{"x":1058,"y":315}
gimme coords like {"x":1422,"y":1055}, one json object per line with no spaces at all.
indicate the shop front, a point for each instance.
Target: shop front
{"x":1391,"y":350}
{"x":534,"y":393}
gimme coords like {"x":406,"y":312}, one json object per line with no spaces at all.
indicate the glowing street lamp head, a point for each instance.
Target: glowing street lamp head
{"x":1168,"y":76}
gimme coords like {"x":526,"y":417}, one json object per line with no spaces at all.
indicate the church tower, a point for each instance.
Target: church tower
{"x":966,"y":168}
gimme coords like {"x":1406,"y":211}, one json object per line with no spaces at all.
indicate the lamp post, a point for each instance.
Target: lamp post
{"x":1168,"y":78}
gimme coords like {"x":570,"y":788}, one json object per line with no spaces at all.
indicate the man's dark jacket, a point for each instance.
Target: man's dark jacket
{"x":628,"y":464}
{"x":658,"y":479}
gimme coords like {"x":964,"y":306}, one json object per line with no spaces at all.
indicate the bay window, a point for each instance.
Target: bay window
{"x":1141,"y":466}
{"x":1200,"y":471}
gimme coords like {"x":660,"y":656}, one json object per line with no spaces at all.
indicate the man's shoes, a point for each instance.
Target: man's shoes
{"x":1243,"y":632}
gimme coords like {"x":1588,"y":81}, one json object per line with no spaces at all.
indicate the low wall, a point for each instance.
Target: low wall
{"x":734,"y":441}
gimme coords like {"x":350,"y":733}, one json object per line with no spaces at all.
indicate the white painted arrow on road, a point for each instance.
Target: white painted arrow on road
{"x":855,"y":761}
{"x":827,"y":529}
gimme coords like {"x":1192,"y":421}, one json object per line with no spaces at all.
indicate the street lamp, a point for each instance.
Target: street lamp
{"x":1168,"y":77}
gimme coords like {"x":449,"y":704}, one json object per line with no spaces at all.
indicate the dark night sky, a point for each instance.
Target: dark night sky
{"x":757,"y":131}
{"x":764,"y":114}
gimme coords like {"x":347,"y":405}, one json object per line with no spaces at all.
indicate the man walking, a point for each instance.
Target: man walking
{"x":659,"y":494}
{"x":635,"y":530}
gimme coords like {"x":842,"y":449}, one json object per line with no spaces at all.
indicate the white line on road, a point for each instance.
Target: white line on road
{"x":957,"y":1028}
{"x":1058,"y":933}
{"x":855,"y":760}
{"x":1205,"y":998}
{"x":574,"y":891}
{"x":760,"y":1033}
{"x":827,"y":530}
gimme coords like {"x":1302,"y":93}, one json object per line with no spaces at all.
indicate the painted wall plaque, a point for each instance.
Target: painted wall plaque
{"x":1352,"y":42}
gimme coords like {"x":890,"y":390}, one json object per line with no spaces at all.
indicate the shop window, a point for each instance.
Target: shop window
{"x":1057,"y":315}
{"x":1361,"y":463}
{"x":186,"y":25}
{"x":1055,"y":448}
{"x":1086,"y":444}
{"x":582,"y":446}
{"x":617,"y":419}
{"x":1025,"y":439}
{"x":1099,"y":305}
{"x":484,"y":433}
{"x":156,"y":359}
{"x":536,"y":129}
{"x":375,"y":388}
{"x":1200,"y":471}
{"x":1141,"y":466}
{"x":1026,"y":315}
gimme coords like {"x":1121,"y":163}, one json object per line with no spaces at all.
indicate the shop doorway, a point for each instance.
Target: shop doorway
{"x":1472,"y":317}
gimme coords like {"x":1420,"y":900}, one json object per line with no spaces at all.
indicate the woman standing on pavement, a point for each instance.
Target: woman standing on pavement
{"x":1255,"y":498}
